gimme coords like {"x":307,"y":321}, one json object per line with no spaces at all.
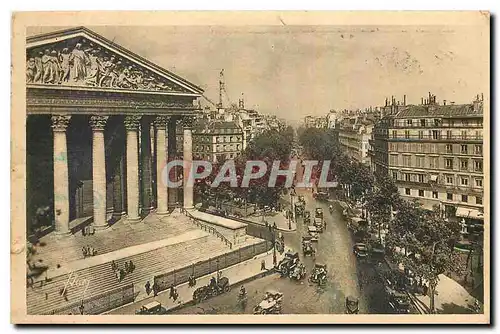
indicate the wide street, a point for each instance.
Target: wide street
{"x":345,"y":276}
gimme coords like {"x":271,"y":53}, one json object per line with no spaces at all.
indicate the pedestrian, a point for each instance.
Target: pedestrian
{"x":131,"y":266}
{"x":263,"y":265}
{"x":122,"y":275}
{"x":274,"y":226}
{"x":113,"y":265}
{"x":84,"y":251}
{"x":127,"y":268}
{"x":155,"y":289}
{"x":89,"y":251}
{"x":46,"y":296}
{"x":148,"y":287}
{"x":425,"y":289}
{"x":219,"y":275}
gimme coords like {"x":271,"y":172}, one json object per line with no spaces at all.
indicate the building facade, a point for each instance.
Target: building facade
{"x":434,"y":152}
{"x":100,"y":129}
{"x":354,"y":136}
{"x":214,"y":140}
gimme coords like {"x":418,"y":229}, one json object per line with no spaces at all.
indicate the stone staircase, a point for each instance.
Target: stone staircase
{"x":101,"y":278}
{"x":60,"y":250}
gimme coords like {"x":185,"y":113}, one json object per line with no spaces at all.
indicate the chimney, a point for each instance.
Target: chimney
{"x":482,"y":97}
{"x":444,"y":102}
{"x":404,"y":99}
{"x":421,"y":100}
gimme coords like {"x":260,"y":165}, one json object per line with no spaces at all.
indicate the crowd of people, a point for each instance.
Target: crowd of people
{"x":88,"y":251}
{"x":120,"y":273}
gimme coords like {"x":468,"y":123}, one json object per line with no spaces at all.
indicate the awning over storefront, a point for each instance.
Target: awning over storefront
{"x":469,"y":213}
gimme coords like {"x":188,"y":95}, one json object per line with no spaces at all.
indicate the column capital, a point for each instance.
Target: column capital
{"x":187,"y":122}
{"x":60,"y":122}
{"x":98,"y":123}
{"x":132,"y":122}
{"x":161,"y":121}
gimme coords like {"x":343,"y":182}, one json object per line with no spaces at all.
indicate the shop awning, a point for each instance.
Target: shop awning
{"x":469,"y":213}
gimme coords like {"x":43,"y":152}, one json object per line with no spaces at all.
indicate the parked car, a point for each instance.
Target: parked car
{"x":360,"y":250}
{"x":313,"y":232}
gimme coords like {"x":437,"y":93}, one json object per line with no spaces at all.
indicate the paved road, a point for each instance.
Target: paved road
{"x":347,"y":276}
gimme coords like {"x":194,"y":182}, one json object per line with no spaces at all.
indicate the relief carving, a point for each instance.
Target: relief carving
{"x":81,"y":63}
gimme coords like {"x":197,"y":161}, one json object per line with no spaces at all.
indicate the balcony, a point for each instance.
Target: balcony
{"x":436,"y":138}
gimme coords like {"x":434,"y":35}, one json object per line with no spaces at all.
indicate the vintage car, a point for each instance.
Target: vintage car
{"x":302,"y":199}
{"x":307,"y":217}
{"x":351,"y":305}
{"x":271,"y":304}
{"x":319,"y":223}
{"x":318,"y":274}
{"x":214,"y":288}
{"x":313,"y":232}
{"x":151,"y":308}
{"x":299,"y":272}
{"x":399,"y":303}
{"x":288,"y":263}
{"x":318,"y":213}
{"x":321,"y":196}
{"x":377,"y":252}
{"x":360,"y":250}
{"x":299,"y":209}
{"x":356,"y":224}
{"x":307,"y":246}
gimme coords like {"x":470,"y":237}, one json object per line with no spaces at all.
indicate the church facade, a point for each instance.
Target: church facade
{"x":101,"y":126}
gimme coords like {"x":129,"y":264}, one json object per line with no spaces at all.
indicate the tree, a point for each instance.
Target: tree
{"x":428,"y":241}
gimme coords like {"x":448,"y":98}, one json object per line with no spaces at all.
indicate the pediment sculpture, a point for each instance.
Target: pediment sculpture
{"x":79,"y":62}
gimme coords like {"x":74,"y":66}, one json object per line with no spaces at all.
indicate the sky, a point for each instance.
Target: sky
{"x":294,"y":71}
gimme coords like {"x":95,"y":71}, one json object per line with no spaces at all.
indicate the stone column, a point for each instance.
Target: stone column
{"x":119,"y":203}
{"x":187,"y":123}
{"x":145,"y":152}
{"x":61,"y":182}
{"x":98,"y":123}
{"x":161,"y":163}
{"x":173,"y":193}
{"x":132,"y":125}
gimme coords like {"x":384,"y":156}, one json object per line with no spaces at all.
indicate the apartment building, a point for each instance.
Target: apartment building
{"x":434,"y":152}
{"x":354,"y":135}
{"x":214,"y":140}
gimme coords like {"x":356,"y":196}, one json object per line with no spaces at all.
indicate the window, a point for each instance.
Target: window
{"x":478,"y":149}
{"x":408,"y":122}
{"x":464,"y":181}
{"x":421,"y":178}
{"x":464,"y":164}
{"x":465,"y":122}
{"x":395,"y":175}
{"x":448,"y":162}
{"x":394,"y":134}
{"x":421,"y":135}
{"x":479,"y":200}
{"x":237,"y":146}
{"x":420,"y":193}
{"x":437,"y":122}
{"x":419,"y":161}
{"x":434,"y":194}
{"x":420,"y":148}
{"x":478,"y":166}
{"x":407,"y":134}
{"x":433,"y":162}
{"x":449,"y":148}
{"x":408,"y":177}
{"x":231,"y":138}
{"x":465,"y":198}
{"x":463,"y":149}
{"x":435,"y":134}
{"x":422,"y":122}
{"x":464,"y":134}
{"x":479,"y":183}
{"x":449,"y":179}
{"x":433,"y":148}
{"x":407,"y":191}
{"x":478,"y":135}
{"x":449,"y":196}
{"x":449,"y":134}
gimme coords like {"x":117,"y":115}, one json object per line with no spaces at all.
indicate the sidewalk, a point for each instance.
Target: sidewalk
{"x":276,"y":217}
{"x":451,"y":298}
{"x":238,"y":273}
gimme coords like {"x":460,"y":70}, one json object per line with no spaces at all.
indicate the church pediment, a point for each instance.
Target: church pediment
{"x":81,"y":58}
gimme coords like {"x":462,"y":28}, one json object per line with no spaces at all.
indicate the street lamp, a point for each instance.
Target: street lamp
{"x":293,"y":212}
{"x":274,"y":246}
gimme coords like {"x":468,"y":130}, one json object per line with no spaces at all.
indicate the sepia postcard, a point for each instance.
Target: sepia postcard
{"x":250,"y":167}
